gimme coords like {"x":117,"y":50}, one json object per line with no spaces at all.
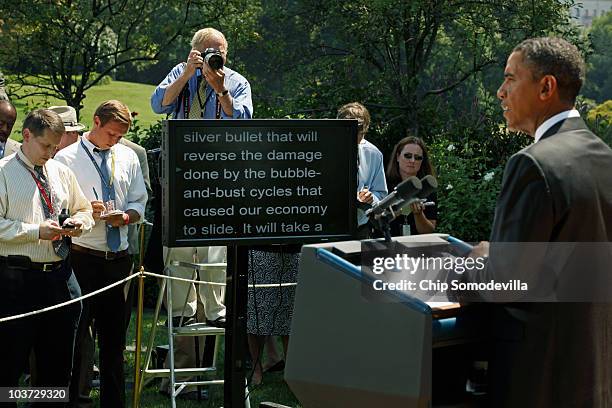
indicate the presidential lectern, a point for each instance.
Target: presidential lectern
{"x":351,"y":350}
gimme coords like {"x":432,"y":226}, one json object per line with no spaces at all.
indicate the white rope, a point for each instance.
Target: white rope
{"x":272,"y":285}
{"x":262,"y":285}
{"x":134,"y":275}
{"x":184,"y":279}
{"x":69,"y":302}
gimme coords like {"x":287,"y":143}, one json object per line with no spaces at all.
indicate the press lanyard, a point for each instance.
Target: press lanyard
{"x":43,"y":193}
{"x":109,"y":182}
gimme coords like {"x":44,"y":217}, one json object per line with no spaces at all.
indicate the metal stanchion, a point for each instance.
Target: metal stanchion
{"x":139,"y":310}
{"x":137,"y":357}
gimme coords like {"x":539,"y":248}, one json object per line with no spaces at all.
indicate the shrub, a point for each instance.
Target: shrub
{"x":599,"y":120}
{"x":467,"y":190}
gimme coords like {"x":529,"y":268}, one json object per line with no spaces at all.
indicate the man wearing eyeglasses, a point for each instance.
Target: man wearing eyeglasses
{"x":371,"y":184}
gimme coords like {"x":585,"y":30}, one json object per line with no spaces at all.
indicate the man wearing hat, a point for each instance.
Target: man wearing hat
{"x":3,"y":95}
{"x":73,"y":127}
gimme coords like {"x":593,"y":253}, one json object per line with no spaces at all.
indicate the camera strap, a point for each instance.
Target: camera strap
{"x":208,"y":96}
{"x":184,"y":98}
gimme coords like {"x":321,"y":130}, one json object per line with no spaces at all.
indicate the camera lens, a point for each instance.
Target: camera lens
{"x":215,"y":61}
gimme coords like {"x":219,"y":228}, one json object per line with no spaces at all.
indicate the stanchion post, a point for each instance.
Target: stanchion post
{"x":139,"y":309}
{"x":137,"y":364}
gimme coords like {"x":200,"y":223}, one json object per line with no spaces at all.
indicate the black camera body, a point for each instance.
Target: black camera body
{"x":213,"y":58}
{"x":62,"y":217}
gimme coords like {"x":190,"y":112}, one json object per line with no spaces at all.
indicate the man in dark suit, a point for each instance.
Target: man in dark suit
{"x":553,"y":216}
{"x":8,"y":115}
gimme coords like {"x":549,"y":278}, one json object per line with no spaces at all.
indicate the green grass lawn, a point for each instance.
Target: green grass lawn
{"x":273,"y":389}
{"x":135,"y":96}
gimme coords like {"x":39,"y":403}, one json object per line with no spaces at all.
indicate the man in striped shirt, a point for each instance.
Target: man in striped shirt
{"x":34,"y":194}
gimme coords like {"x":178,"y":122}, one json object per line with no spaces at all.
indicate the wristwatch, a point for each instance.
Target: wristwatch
{"x":220,"y":94}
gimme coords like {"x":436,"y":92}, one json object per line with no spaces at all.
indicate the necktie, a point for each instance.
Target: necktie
{"x":196,"y":108}
{"x":113,"y":235}
{"x":60,"y":246}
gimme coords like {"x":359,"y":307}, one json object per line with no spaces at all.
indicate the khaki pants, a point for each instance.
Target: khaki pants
{"x":210,"y":296}
{"x":209,"y":305}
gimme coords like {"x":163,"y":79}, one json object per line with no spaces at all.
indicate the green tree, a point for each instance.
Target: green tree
{"x":428,"y":66}
{"x":61,"y":48}
{"x":401,"y":57}
{"x":598,"y":85}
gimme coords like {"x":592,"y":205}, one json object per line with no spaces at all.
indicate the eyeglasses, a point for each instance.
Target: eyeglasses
{"x":409,"y":156}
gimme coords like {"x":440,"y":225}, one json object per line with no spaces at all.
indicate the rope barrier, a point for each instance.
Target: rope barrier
{"x":262,"y":285}
{"x":69,"y":302}
{"x":132,"y":276}
{"x":183,"y":279}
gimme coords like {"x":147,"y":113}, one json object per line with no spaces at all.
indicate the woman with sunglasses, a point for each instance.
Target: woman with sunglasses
{"x":410,"y":158}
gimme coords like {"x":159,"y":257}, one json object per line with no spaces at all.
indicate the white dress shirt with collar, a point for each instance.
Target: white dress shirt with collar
{"x":130,"y":190}
{"x":21,"y":210}
{"x":550,"y":122}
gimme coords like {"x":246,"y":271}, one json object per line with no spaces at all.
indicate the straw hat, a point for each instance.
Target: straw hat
{"x":69,"y":117}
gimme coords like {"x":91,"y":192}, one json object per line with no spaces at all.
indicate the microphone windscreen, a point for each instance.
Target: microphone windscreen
{"x":430,"y":184}
{"x":408,"y":188}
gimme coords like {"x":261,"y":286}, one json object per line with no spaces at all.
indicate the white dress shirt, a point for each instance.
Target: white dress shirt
{"x":130,"y":190}
{"x":550,"y":122}
{"x":21,"y":210}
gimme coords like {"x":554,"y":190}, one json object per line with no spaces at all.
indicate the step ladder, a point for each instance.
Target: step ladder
{"x":193,"y":330}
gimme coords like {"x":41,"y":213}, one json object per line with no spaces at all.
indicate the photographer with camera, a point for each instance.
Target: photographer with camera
{"x":203,"y":87}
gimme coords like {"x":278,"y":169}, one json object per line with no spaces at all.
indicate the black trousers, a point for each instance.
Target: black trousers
{"x":50,"y":334}
{"x":108,"y":311}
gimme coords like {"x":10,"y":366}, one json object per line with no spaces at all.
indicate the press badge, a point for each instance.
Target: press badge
{"x":405,"y":229}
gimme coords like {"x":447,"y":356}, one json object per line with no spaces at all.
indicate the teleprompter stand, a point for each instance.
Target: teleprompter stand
{"x":235,"y":332}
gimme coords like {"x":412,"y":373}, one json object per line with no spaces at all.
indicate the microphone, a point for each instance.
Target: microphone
{"x":429,"y":185}
{"x":404,"y":191}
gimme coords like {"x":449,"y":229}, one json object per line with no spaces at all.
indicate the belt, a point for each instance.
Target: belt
{"x":24,"y":262}
{"x":108,"y":255}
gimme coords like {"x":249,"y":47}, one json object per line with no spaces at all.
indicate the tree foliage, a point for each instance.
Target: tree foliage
{"x":403,"y":58}
{"x":599,"y":75}
{"x":61,"y":48}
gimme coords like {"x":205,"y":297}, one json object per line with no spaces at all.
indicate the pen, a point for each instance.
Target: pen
{"x":95,"y":193}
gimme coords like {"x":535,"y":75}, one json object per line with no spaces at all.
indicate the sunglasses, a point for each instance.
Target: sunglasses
{"x":409,"y":156}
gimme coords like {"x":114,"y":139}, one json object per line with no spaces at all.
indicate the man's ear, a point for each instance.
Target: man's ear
{"x":26,"y":134}
{"x":548,"y":87}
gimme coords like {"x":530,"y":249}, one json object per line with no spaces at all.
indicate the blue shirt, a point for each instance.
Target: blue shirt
{"x":238,"y":87}
{"x":371,"y":173}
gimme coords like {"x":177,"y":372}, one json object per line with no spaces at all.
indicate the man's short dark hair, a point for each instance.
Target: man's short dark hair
{"x":40,"y":120}
{"x":557,"y":57}
{"x":113,"y":110}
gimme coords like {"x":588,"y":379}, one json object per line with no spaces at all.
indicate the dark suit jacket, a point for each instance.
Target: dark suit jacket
{"x":558,"y":193}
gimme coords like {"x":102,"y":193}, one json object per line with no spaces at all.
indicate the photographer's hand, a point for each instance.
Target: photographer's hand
{"x":215,"y":78}
{"x":194,"y":61}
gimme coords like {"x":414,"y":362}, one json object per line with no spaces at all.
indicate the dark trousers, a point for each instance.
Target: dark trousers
{"x":50,"y":334}
{"x":108,"y":311}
